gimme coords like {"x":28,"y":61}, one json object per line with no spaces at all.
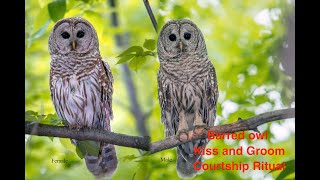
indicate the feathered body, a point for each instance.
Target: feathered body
{"x":187,"y":87}
{"x":81,"y":87}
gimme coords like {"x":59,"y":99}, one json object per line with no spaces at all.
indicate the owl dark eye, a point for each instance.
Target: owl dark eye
{"x":80,"y":34}
{"x":65,"y":35}
{"x":172,"y":37}
{"x":187,"y":36}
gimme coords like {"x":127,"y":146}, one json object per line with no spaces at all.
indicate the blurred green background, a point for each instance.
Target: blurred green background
{"x":251,"y":44}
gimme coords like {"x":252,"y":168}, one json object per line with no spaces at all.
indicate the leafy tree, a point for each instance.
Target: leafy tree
{"x":243,"y":40}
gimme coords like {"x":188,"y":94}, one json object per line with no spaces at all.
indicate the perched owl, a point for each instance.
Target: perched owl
{"x":81,"y":86}
{"x":187,"y":88}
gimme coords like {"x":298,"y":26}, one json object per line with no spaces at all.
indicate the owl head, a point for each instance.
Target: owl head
{"x":180,"y":38}
{"x":73,"y":35}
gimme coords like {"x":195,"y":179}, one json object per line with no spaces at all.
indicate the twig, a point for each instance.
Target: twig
{"x":153,"y":20}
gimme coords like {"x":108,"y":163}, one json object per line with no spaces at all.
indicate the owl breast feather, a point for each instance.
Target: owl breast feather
{"x":78,"y":101}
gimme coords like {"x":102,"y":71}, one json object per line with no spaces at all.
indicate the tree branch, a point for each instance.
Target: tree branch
{"x":140,"y":142}
{"x":153,"y":20}
{"x":240,"y":125}
{"x":143,"y":142}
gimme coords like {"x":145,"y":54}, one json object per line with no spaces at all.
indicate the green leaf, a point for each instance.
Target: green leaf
{"x":53,"y":119}
{"x":51,"y":138}
{"x":150,"y":44}
{"x":136,"y":50}
{"x":57,"y":9}
{"x":137,"y":62}
{"x":55,"y":122}
{"x":125,"y":58}
{"x":30,"y":116}
{"x":66,"y":142}
{"x":80,"y":151}
{"x":42,"y":118}
{"x":149,"y":53}
{"x":290,"y":168}
{"x":91,"y":147}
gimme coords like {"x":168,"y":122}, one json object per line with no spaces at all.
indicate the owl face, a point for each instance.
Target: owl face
{"x":73,"y":35}
{"x":179,"y":37}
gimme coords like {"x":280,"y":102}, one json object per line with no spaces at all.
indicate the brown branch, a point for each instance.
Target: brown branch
{"x":140,"y":142}
{"x":240,"y":125}
{"x":143,"y":142}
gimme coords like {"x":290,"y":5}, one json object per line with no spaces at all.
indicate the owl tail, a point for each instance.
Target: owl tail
{"x":105,"y":164}
{"x":186,"y":159}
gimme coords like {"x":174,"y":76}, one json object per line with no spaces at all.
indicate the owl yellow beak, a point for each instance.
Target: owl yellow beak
{"x":180,"y":45}
{"x":73,"y":44}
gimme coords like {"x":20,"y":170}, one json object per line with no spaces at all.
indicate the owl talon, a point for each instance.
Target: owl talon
{"x":182,"y":135}
{"x":199,"y":129}
{"x":72,"y":126}
{"x":75,"y":126}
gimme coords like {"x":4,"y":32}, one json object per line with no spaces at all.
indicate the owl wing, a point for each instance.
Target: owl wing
{"x":212,"y":94}
{"x":169,"y":115}
{"x":51,"y":83}
{"x":106,"y":162}
{"x":106,"y":83}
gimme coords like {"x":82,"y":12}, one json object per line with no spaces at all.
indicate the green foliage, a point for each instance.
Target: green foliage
{"x":51,"y":119}
{"x":90,"y":147}
{"x":57,"y":9}
{"x":137,"y":62}
{"x":290,"y":168}
{"x":134,"y":50}
{"x":31,"y":116}
{"x":149,"y":44}
{"x":136,"y":55}
{"x":80,"y":152}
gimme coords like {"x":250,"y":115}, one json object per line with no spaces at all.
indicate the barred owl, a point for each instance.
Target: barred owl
{"x":187,"y":88}
{"x":81,"y":86}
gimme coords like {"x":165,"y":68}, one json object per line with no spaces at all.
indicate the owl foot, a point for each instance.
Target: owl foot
{"x":182,"y":135}
{"x":199,"y":129}
{"x":75,"y":126}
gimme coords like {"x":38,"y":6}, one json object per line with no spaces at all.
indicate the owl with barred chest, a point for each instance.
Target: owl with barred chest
{"x":187,"y":88}
{"x":81,"y":86}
